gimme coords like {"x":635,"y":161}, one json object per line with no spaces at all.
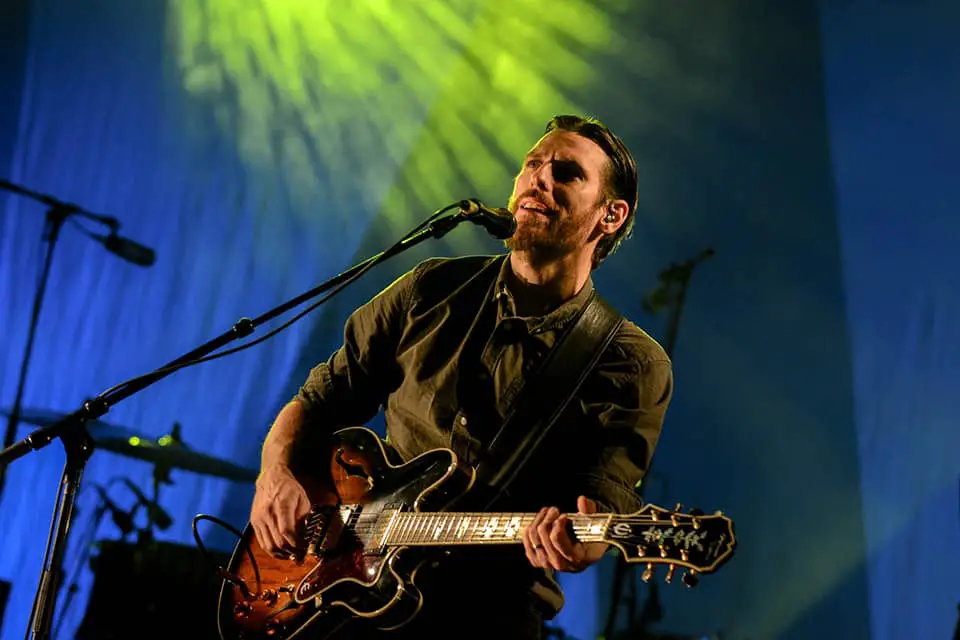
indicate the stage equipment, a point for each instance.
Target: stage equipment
{"x":670,"y":293}
{"x":79,"y":444}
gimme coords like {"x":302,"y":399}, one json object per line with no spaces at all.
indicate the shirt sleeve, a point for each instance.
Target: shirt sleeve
{"x":626,"y":407}
{"x":350,"y":386}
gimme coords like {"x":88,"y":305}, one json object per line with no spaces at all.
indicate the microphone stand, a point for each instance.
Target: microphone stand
{"x":57,"y":214}
{"x":671,"y":292}
{"x":72,"y":432}
{"x":79,"y":564}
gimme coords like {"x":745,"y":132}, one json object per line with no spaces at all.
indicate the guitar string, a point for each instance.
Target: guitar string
{"x":421,"y":517}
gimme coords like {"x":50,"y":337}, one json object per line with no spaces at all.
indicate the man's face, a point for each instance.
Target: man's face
{"x":557,"y":196}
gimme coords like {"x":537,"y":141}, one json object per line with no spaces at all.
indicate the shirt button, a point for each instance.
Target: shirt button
{"x":463,"y":421}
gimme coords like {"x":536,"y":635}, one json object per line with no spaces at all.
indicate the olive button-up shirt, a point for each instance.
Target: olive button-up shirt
{"x":444,"y":353}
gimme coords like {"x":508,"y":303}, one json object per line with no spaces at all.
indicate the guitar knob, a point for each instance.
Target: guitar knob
{"x":242,"y":609}
{"x":647,"y":573}
{"x":269,"y":596}
{"x":690,"y":579}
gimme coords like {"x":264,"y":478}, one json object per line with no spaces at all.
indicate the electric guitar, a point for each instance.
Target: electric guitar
{"x":377,"y":520}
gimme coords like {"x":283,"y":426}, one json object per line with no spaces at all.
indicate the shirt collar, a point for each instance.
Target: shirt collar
{"x":556,"y":319}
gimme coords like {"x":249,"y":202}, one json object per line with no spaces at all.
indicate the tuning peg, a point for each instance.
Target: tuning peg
{"x":678,"y":508}
{"x":696,"y":512}
{"x":690,"y":579}
{"x":669,"y":577}
{"x":647,"y":573}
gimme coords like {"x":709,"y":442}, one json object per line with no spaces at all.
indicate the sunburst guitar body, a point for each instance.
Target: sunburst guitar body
{"x":377,"y":521}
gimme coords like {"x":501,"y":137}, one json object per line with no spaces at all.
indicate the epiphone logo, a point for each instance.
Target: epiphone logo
{"x":304,"y":589}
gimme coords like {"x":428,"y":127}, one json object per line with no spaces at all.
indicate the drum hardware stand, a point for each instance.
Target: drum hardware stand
{"x":672,"y":293}
{"x":79,"y":446}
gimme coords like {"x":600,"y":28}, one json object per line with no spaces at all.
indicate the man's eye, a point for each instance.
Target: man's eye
{"x":565,"y":173}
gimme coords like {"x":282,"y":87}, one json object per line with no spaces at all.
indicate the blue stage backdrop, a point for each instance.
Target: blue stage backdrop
{"x":893,"y":98}
{"x":261,"y":147}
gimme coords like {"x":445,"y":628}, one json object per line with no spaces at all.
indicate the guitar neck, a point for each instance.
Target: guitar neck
{"x":473,"y":528}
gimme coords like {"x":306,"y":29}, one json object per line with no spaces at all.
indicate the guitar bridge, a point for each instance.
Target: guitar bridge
{"x":318,"y":526}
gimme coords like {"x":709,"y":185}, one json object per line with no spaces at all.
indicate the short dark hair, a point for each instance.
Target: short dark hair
{"x":621,"y":174}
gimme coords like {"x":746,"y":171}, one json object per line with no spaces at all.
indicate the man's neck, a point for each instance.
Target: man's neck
{"x":540,"y":287}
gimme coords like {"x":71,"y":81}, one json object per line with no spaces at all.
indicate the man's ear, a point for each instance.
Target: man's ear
{"x":614,"y":217}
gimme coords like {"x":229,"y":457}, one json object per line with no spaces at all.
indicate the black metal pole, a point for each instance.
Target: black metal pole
{"x":79,"y":448}
{"x":56,"y":216}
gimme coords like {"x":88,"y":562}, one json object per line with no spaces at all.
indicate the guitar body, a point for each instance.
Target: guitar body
{"x":347,"y":572}
{"x":378,"y":523}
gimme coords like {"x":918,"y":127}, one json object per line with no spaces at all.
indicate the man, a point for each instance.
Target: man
{"x":445,"y":350}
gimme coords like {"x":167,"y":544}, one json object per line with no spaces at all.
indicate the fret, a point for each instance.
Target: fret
{"x":426,"y":524}
{"x":417,"y":520}
{"x":403,"y":529}
{"x":487,"y":528}
{"x":388,"y":528}
{"x":463,"y":526}
{"x":407,"y":528}
{"x":511,"y":528}
{"x":423,"y":526}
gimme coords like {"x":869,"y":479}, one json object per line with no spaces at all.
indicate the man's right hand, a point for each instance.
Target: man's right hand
{"x":280,"y":505}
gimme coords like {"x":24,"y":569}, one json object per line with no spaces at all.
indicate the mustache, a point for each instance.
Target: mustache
{"x":532,"y":195}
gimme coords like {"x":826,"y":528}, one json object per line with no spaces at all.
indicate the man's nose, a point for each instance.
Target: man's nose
{"x":543,"y":176}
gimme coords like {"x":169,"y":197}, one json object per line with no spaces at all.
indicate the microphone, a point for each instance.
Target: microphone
{"x":499,"y":223}
{"x":127,"y":249}
{"x":122,"y":519}
{"x":155,"y":512}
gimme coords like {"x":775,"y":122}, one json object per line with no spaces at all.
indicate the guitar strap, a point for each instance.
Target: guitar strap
{"x":546,"y":395}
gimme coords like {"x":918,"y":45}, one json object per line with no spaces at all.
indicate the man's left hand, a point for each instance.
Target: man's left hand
{"x":549,"y":542}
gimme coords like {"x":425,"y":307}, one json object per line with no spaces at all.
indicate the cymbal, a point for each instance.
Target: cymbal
{"x":164,"y":451}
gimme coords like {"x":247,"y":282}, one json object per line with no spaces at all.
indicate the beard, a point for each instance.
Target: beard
{"x":545,"y":237}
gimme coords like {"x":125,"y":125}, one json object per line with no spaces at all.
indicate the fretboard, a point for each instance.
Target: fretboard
{"x":460,"y":528}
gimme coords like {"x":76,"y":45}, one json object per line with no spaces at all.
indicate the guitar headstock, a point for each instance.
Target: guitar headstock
{"x":694,"y":541}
